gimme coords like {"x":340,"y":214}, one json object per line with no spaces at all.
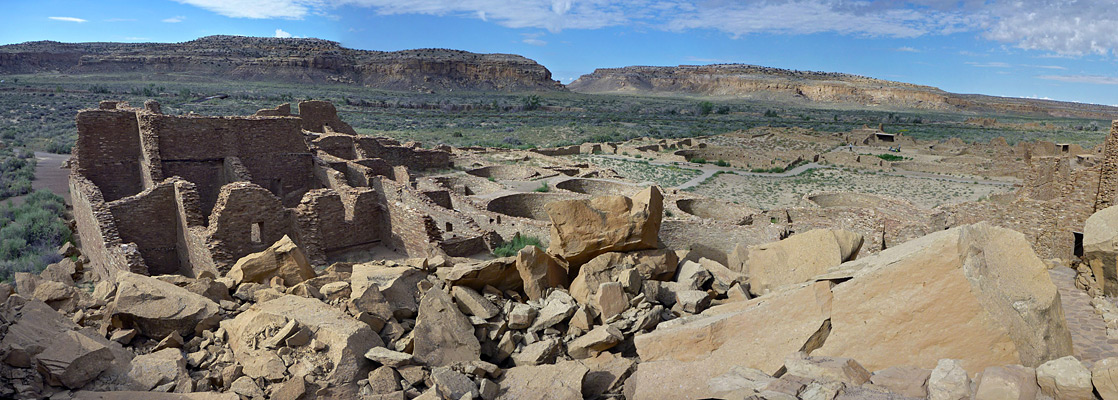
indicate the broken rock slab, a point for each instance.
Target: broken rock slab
{"x":1065,"y":378}
{"x":1100,"y":248}
{"x":396,"y":284}
{"x":599,"y":339}
{"x":442,"y":335}
{"x":501,"y":273}
{"x":561,"y":380}
{"x":682,"y":357}
{"x":283,"y":259}
{"x":156,"y":308}
{"x":539,"y":272}
{"x":650,"y":265}
{"x":345,"y":338}
{"x":583,"y":229}
{"x":798,"y":258}
{"x":978,"y":281}
{"x":159,"y":368}
{"x":72,"y":360}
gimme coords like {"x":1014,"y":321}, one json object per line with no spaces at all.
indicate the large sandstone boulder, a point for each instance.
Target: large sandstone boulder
{"x":539,"y":272}
{"x":160,"y":368}
{"x":797,"y":258}
{"x":345,"y":338}
{"x":562,"y":380}
{"x":681,"y":358}
{"x":283,"y":259}
{"x":1100,"y":248}
{"x":72,"y":359}
{"x":978,"y":282}
{"x":396,"y":284}
{"x":156,"y":308}
{"x":501,"y":273}
{"x":443,"y":335}
{"x":583,"y":229}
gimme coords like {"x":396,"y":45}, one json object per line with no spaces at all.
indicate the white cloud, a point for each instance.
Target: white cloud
{"x":907,"y":49}
{"x":67,"y":19}
{"x":280,"y":33}
{"x":992,"y":64}
{"x":259,"y":9}
{"x":1092,"y":79}
{"x":1061,"y":27}
{"x":175,"y":19}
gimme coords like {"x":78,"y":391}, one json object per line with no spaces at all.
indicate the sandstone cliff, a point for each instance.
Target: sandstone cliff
{"x":774,"y":84}
{"x":285,"y":60}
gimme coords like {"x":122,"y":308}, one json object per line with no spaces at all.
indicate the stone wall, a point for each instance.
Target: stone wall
{"x":107,"y":151}
{"x":240,"y":206}
{"x":1108,"y":169}
{"x":97,"y":231}
{"x":148,"y":220}
{"x":321,"y":116}
{"x":333,"y":222}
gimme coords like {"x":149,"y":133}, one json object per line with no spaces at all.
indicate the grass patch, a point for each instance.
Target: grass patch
{"x":891,"y":157}
{"x":510,"y":248}
{"x":543,"y":188}
{"x":722,"y":163}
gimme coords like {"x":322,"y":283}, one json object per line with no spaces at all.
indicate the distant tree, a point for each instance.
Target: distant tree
{"x":531,"y":102}
{"x":705,"y":107}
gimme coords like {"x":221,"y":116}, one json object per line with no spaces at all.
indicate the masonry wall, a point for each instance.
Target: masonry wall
{"x":407,"y":229}
{"x":331,"y":222}
{"x":413,"y":158}
{"x":239,"y":206}
{"x":107,"y":151}
{"x":1108,"y":170}
{"x":97,"y":231}
{"x":148,"y":219}
{"x":191,"y":233}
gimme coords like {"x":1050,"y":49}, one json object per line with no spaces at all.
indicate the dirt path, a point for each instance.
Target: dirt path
{"x":50,"y":175}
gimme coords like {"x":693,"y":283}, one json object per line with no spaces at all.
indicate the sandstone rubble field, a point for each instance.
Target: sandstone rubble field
{"x":284,"y":255}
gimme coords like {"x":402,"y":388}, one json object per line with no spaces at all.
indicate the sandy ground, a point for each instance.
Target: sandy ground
{"x":50,"y":175}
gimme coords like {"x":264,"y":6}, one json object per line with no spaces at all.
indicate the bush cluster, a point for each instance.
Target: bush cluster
{"x":510,"y":248}
{"x":17,"y":169}
{"x":31,"y":233}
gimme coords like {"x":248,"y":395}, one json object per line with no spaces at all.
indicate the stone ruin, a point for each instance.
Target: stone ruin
{"x":217,"y":245}
{"x":184,"y":194}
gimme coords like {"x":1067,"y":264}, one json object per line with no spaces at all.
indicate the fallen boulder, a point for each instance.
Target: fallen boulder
{"x":156,"y":308}
{"x":539,"y":272}
{"x":583,"y":229}
{"x":396,"y":284}
{"x":283,"y":259}
{"x":442,"y":335}
{"x":1100,"y":248}
{"x":798,"y":258}
{"x":552,"y":381}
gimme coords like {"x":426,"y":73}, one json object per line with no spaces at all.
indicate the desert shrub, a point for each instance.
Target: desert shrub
{"x":531,"y":102}
{"x":705,"y":107}
{"x":698,"y":160}
{"x":722,"y":163}
{"x":17,"y":170}
{"x":31,"y":232}
{"x":543,"y":188}
{"x":890,"y":157}
{"x":510,"y":248}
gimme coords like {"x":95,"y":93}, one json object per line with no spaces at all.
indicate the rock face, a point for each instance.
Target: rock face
{"x":73,"y":359}
{"x":556,"y":381}
{"x":282,"y":259}
{"x":759,"y":333}
{"x":443,"y":335}
{"x":156,"y":308}
{"x":975,"y":281}
{"x":583,"y":229}
{"x":539,"y":272}
{"x":1100,"y":248}
{"x":797,"y":258}
{"x":286,"y":60}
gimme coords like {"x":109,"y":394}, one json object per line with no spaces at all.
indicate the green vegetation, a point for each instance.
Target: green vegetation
{"x":722,"y":163}
{"x":543,"y":188}
{"x":705,"y":107}
{"x":510,"y":248}
{"x":30,"y":233}
{"x":17,"y":170}
{"x":698,"y":160}
{"x":890,"y":157}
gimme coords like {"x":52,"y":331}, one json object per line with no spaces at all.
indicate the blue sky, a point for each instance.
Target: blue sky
{"x":1063,"y":50}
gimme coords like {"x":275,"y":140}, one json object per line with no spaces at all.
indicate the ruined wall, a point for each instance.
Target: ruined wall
{"x":407,"y":230}
{"x":413,"y":158}
{"x":148,"y":219}
{"x":1108,"y":170}
{"x":240,"y":206}
{"x":96,"y":228}
{"x":332,"y":221}
{"x":107,"y":151}
{"x":191,"y":233}
{"x":321,"y":116}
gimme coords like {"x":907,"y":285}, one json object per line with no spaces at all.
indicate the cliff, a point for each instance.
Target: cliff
{"x":774,"y":84}
{"x":285,"y":60}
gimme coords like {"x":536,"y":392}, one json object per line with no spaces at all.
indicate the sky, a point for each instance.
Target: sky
{"x":1055,"y":49}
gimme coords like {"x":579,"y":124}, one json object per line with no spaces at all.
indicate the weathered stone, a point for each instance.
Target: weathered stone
{"x":605,"y":373}
{"x":69,"y":250}
{"x":976,"y":281}
{"x":123,"y":336}
{"x":949,"y":381}
{"x":61,"y":272}
{"x":384,"y":380}
{"x":72,"y":359}
{"x":58,"y":295}
{"x":835,"y":369}
{"x":599,"y":339}
{"x":159,"y":368}
{"x":1012,"y":382}
{"x":156,"y":308}
{"x":172,"y":341}
{"x":904,"y":380}
{"x":758,"y":333}
{"x":539,"y":272}
{"x":283,"y":259}
{"x":693,"y":275}
{"x":723,"y":277}
{"x":292,"y":389}
{"x":583,"y":229}
{"x":521,"y":316}
{"x":488,"y":389}
{"x":798,"y":258}
{"x":345,"y":339}
{"x":443,"y":335}
{"x":388,"y":357}
{"x":245,"y":386}
{"x":396,"y":284}
{"x":611,"y":300}
{"x":500,"y":273}
{"x":472,"y":303}
{"x":693,"y":301}
{"x":452,"y":384}
{"x":1100,"y":248}
{"x":335,"y":290}
{"x":556,"y":381}
{"x":745,"y":381}
{"x":1065,"y":378}
{"x":278,"y":338}
{"x":650,"y":264}
{"x":557,"y":308}
{"x":1104,"y":376}
{"x":130,"y":395}
{"x":582,"y":319}
{"x":541,"y":352}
